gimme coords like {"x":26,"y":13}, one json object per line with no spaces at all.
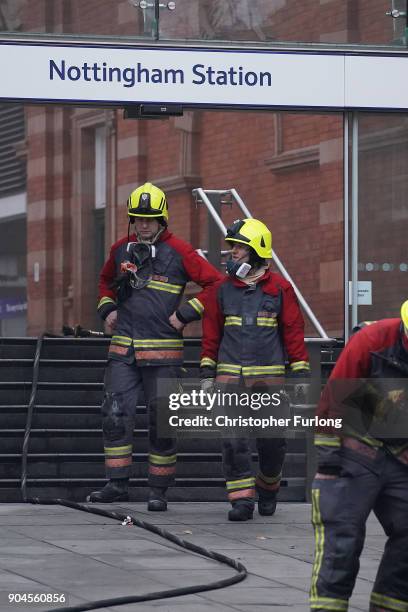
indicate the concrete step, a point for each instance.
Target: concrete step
{"x":86,"y":465}
{"x":53,"y":370}
{"x":185,"y":489}
{"x":65,"y":370}
{"x":74,"y":348}
{"x":79,"y":440}
{"x":52,"y":393}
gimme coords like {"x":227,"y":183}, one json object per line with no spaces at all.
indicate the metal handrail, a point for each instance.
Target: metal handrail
{"x":200,"y":194}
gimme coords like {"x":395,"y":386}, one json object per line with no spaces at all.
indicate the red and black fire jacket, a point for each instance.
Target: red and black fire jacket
{"x":143,"y":330}
{"x":365,"y":390}
{"x":249,"y":330}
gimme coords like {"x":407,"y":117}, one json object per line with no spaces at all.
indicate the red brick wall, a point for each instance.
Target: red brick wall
{"x":359,"y":21}
{"x":48,"y":215}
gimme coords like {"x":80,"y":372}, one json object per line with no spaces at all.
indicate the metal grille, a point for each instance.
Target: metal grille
{"x":12,"y":131}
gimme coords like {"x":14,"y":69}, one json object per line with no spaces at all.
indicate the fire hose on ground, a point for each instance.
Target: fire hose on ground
{"x":241,"y":571}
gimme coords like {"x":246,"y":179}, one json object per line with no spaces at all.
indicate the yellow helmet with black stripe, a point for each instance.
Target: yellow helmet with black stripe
{"x":147,"y":201}
{"x":252,"y":233}
{"x":404,"y":314}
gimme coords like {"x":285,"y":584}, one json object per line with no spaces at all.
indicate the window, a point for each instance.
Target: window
{"x":12,"y":133}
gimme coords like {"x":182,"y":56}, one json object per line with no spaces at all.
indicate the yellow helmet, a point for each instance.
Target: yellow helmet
{"x":147,"y":201}
{"x":404,"y":314}
{"x":254,"y":234}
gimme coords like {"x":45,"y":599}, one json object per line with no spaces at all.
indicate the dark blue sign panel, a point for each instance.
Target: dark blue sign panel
{"x":12,"y":307}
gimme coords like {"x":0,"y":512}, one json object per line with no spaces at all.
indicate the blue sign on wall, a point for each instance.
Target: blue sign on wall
{"x":12,"y":307}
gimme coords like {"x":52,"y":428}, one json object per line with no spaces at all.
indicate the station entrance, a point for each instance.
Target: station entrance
{"x":305,"y":137}
{"x":326,"y":173}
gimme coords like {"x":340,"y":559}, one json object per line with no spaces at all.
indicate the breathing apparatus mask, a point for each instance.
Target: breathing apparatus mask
{"x":139,"y":265}
{"x":136,"y":271}
{"x":237,"y":268}
{"x":241,"y":269}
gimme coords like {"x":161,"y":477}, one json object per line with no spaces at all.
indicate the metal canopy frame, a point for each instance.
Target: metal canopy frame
{"x":202,"y":195}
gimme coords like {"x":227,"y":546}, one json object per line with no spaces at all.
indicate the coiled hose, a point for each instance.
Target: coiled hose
{"x":117,"y":601}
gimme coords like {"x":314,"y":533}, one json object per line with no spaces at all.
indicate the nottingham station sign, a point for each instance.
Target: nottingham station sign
{"x":201,"y":77}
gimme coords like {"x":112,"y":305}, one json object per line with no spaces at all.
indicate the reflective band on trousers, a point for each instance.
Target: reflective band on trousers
{"x":247,"y":493}
{"x":319,"y":542}
{"x":159,"y":354}
{"x":120,"y":350}
{"x":158,"y":343}
{"x":240,"y":484}
{"x":162,"y":470}
{"x":122,"y":340}
{"x":328,"y":603}
{"x":390,"y":603}
{"x":162,"y":459}
{"x":257,"y":370}
{"x":118,"y":450}
{"x":228,"y":368}
{"x":122,"y":462}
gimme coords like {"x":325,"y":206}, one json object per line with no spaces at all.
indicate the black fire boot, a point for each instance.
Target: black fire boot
{"x":242,"y":510}
{"x":114,"y":491}
{"x":267,"y":504}
{"x":157,"y":499}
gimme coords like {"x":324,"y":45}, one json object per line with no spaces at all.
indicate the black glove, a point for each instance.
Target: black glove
{"x":300,"y":374}
{"x":207,"y":372}
{"x":180,"y":317}
{"x":301,"y":390}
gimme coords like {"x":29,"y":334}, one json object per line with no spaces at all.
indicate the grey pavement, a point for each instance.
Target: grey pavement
{"x":54,"y":549}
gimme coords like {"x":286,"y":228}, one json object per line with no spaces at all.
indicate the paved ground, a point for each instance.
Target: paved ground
{"x":88,"y":557}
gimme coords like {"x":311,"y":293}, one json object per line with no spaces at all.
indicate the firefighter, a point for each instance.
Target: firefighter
{"x":251,"y":323}
{"x":363,"y":467}
{"x":141,"y":286}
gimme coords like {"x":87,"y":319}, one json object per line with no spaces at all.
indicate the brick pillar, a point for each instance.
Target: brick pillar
{"x":48,"y":227}
{"x":131,"y":168}
{"x":48,"y":191}
{"x":84,"y":281}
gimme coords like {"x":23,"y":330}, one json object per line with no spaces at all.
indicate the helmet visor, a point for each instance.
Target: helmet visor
{"x":233,"y":234}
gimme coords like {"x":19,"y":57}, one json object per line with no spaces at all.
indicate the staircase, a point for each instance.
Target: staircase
{"x":66,"y":449}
